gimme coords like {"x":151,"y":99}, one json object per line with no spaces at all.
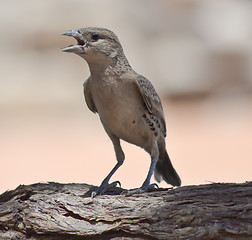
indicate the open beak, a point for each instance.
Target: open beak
{"x":77,"y":48}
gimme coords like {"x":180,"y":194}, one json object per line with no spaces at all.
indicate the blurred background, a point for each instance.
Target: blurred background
{"x":197,"y":54}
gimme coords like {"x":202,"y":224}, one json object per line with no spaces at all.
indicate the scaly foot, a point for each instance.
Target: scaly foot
{"x":103,"y":188}
{"x":139,"y":190}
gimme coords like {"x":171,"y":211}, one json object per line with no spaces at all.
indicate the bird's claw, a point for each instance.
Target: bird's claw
{"x":93,"y":194}
{"x":114,"y":184}
{"x":153,"y":186}
{"x":139,"y":190}
{"x":103,"y":188}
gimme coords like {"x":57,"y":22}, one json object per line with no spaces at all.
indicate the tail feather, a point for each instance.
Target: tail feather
{"x":164,"y":170}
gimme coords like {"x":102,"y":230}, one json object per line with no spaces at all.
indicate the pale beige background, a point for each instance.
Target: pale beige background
{"x":198,"y":54}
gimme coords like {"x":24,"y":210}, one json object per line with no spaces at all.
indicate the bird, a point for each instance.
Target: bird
{"x":127,"y":103}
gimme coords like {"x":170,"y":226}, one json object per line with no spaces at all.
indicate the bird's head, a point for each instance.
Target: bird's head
{"x":94,"y":44}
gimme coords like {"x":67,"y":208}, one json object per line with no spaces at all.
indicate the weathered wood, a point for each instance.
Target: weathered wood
{"x":60,"y":211}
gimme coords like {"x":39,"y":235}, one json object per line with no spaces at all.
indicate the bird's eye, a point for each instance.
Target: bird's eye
{"x":95,"y":37}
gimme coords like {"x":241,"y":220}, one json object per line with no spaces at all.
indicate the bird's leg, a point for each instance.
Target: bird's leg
{"x":105,"y":185}
{"x":120,"y":159}
{"x":146,"y":184}
{"x":154,"y":152}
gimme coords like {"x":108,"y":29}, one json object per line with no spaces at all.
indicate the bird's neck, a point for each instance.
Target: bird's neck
{"x":109,"y":66}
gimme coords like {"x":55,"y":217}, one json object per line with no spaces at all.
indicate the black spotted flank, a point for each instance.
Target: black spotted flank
{"x":152,"y":121}
{"x":133,"y":121}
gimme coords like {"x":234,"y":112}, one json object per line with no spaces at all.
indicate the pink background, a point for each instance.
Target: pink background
{"x":197,"y":54}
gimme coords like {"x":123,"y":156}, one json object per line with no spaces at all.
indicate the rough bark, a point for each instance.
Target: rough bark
{"x":61,"y":211}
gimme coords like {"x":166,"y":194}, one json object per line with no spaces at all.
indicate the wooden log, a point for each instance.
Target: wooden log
{"x":55,"y":211}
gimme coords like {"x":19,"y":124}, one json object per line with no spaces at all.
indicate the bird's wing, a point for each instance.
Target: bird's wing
{"x":88,"y":96}
{"x":151,"y":99}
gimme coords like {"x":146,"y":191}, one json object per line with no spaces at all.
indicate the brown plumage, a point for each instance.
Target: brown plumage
{"x":127,"y":103}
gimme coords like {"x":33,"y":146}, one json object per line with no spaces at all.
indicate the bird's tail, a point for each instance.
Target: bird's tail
{"x":164,"y":170}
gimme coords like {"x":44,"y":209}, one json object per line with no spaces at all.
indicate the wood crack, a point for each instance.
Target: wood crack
{"x":56,"y":211}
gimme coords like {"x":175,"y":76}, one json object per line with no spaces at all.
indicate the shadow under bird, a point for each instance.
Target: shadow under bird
{"x":127,"y":103}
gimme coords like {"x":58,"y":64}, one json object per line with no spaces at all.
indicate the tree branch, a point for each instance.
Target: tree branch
{"x":63,"y":211}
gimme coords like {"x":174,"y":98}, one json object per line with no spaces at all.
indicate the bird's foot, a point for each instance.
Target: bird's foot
{"x":103,"y":188}
{"x":140,"y":190}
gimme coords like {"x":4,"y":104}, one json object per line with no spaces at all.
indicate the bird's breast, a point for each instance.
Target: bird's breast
{"x":121,"y":107}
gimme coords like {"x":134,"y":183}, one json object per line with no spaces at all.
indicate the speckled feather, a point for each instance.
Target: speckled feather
{"x":151,"y":99}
